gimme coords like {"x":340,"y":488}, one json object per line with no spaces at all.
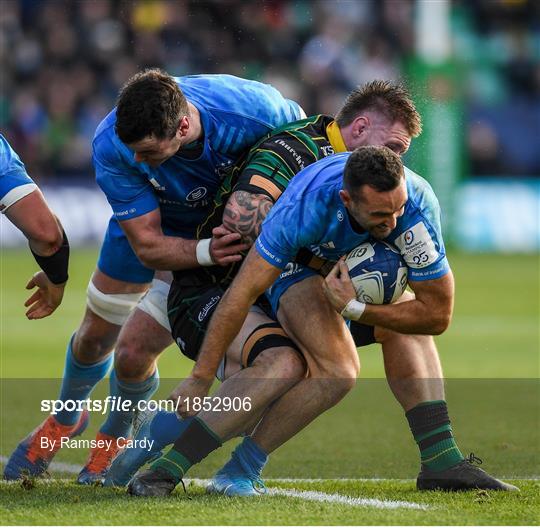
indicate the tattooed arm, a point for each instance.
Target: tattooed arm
{"x":245,"y":212}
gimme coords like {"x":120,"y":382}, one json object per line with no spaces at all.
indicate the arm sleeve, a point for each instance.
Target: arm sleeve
{"x":127,"y":190}
{"x":14,"y":180}
{"x":287,"y":228}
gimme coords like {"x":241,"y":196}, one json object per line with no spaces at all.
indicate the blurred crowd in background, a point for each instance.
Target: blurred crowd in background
{"x":63,"y":63}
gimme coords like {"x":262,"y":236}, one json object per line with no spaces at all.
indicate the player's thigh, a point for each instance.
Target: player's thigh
{"x":320,"y":332}
{"x":109,"y":303}
{"x":113,"y":292}
{"x":263,"y":344}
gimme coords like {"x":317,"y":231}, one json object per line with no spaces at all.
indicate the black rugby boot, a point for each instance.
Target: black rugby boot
{"x":152,"y":483}
{"x":463,"y":476}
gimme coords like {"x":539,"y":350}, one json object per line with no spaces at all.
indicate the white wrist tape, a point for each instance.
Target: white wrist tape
{"x":353,"y":310}
{"x":203,"y":252}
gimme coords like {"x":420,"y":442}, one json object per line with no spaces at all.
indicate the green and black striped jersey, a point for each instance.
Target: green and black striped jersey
{"x":267,"y":169}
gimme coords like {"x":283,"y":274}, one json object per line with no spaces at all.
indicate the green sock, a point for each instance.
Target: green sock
{"x":195,"y":442}
{"x":430,"y":426}
{"x":173,"y":462}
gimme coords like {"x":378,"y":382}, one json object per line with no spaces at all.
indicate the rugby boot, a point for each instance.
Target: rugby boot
{"x":235,"y":480}
{"x":34,"y":454}
{"x":156,"y":482}
{"x":159,"y":429}
{"x":463,"y":476}
{"x":99,"y":461}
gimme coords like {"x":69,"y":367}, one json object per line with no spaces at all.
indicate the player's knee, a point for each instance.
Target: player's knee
{"x":341,"y":375}
{"x":91,"y":347}
{"x":131,"y":359}
{"x":347,"y":374}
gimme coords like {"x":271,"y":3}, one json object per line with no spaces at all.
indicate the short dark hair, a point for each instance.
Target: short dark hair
{"x":149,"y":104}
{"x":377,"y":167}
{"x":389,"y":99}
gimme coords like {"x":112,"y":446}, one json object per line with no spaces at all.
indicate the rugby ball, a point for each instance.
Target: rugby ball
{"x":377,"y":271}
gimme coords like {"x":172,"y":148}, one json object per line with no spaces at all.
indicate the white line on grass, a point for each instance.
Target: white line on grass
{"x":336,"y":498}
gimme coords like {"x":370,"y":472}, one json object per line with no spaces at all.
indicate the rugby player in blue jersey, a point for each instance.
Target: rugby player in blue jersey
{"x":159,"y":157}
{"x":331,"y":207}
{"x":24,"y":205}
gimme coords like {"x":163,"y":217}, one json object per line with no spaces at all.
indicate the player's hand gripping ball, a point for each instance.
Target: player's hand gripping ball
{"x":377,"y":271}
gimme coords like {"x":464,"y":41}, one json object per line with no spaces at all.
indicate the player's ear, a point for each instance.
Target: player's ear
{"x":183,"y":127}
{"x":345,"y":197}
{"x":359,"y":125}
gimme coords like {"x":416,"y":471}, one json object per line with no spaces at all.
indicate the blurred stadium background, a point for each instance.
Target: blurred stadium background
{"x":473,"y":66}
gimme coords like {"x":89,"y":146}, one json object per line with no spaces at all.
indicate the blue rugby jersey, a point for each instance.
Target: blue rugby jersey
{"x":310,"y":214}
{"x":235,"y":113}
{"x":14,"y":181}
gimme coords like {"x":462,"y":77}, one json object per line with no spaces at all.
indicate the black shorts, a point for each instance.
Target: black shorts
{"x":189,"y":309}
{"x":190,"y":306}
{"x":363,"y":335}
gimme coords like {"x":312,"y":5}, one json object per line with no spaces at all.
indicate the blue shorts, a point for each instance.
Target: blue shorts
{"x":118,"y":260}
{"x":292,"y":274}
{"x":362,"y":334}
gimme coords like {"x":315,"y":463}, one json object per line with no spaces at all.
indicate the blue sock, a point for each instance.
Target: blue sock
{"x":78,"y":382}
{"x":166,"y":427}
{"x":250,"y":456}
{"x":118,"y":423}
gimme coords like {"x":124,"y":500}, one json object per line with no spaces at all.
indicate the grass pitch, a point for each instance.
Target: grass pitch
{"x":63,"y":503}
{"x":490,"y":356}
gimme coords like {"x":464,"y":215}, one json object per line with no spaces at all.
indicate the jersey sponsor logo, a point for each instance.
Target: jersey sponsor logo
{"x":207,"y":307}
{"x":202,"y":203}
{"x":327,"y":150}
{"x":119,"y":214}
{"x":293,"y":152}
{"x":196,"y":194}
{"x":417,"y":247}
{"x":268,"y":253}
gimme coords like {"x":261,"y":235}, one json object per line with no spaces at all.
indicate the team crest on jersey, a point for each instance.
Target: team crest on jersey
{"x":340,"y":216}
{"x":408,"y":237}
{"x":196,"y":194}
